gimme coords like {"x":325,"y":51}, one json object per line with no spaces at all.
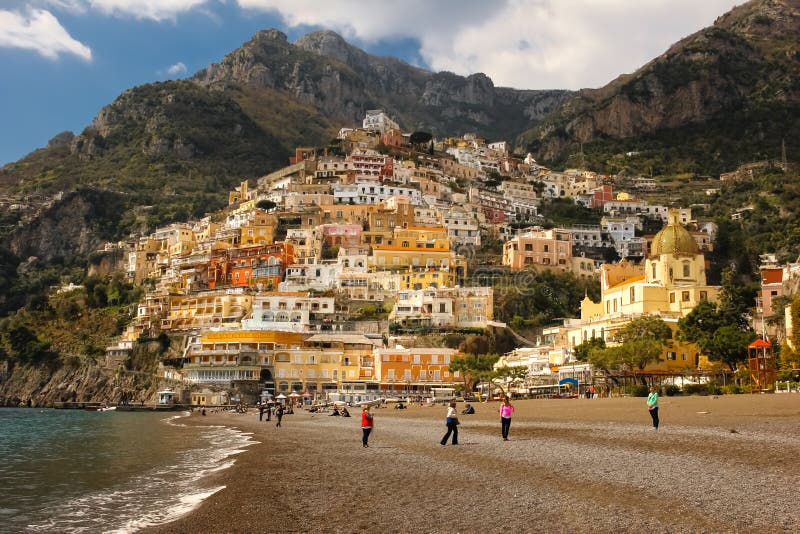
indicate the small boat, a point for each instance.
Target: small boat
{"x":106,"y":408}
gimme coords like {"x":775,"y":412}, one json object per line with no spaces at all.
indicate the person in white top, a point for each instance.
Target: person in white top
{"x":452,"y":424}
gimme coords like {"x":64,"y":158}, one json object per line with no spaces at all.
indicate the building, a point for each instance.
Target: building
{"x":290,"y":312}
{"x":538,"y":248}
{"x":670,"y":284}
{"x":378,"y":121}
{"x":414,"y":370}
{"x":443,"y":308}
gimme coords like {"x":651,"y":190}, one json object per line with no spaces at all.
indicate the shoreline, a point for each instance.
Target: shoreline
{"x":588,"y":464}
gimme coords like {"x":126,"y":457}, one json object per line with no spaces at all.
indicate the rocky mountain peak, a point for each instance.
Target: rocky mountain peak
{"x":269,"y":35}
{"x":327,"y":43}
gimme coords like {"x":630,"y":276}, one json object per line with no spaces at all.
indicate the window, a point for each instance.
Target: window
{"x":684,"y":296}
{"x":633,"y":294}
{"x":683,"y":356}
{"x":672,"y":298}
{"x":671,"y":356}
{"x":704,"y":295}
{"x":654,"y":271}
{"x":528,"y":247}
{"x":547,"y":248}
{"x":390,"y":374}
{"x":686,"y":269}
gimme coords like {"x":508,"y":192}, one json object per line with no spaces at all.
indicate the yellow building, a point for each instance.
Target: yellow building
{"x":259,"y":230}
{"x":670,"y":284}
{"x":223,"y":357}
{"x":425,"y":277}
{"x":207,"y":309}
{"x":418,"y":247}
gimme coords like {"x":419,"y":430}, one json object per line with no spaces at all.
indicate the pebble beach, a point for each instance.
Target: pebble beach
{"x":716,"y":464}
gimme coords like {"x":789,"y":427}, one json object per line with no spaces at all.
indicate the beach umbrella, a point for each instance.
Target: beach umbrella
{"x":281,"y":396}
{"x":307,"y":395}
{"x":294,"y":395}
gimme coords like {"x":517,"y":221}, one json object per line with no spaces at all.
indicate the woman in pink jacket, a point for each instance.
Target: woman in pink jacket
{"x":506,"y":409}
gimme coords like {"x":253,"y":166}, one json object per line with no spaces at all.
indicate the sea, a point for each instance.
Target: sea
{"x":80,"y":471}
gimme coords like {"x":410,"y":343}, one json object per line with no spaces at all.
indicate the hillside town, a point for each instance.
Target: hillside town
{"x":333,"y":278}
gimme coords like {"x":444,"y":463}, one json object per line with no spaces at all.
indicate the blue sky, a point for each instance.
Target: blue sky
{"x":62,"y":60}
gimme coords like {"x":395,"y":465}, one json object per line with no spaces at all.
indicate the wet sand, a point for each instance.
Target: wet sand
{"x":725,"y":464}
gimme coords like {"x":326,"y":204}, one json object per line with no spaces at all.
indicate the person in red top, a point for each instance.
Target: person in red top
{"x":366,"y":425}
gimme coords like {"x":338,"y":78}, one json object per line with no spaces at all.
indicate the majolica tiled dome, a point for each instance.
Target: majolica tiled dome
{"x":674,"y":239}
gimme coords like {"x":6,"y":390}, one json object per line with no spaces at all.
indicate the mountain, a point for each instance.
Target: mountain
{"x":178,"y":147}
{"x":724,"y":95}
{"x":341,"y":82}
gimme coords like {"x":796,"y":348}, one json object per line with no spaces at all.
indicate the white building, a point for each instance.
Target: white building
{"x":378,"y":121}
{"x":289,"y":312}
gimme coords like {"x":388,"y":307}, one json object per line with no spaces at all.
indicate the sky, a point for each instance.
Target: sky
{"x":62,"y":60}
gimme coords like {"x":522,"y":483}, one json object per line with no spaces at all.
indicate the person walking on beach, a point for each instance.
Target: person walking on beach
{"x":452,"y":424}
{"x":652,"y":406}
{"x":279,"y":414}
{"x":506,"y":409}
{"x":366,"y":425}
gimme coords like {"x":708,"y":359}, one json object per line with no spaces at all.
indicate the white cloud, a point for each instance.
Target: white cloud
{"x":39,"y":30}
{"x":531,"y":44}
{"x":177,"y":69}
{"x":157,"y":10}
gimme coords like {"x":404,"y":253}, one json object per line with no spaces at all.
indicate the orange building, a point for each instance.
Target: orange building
{"x":415,"y":369}
{"x":249,"y":266}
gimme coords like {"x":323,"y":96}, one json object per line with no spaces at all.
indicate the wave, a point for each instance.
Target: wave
{"x":160,"y":495}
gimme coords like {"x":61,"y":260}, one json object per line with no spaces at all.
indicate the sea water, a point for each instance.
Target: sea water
{"x":79,"y":471}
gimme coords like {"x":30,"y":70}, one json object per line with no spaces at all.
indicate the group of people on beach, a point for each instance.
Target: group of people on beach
{"x":506,"y":410}
{"x":269,"y":409}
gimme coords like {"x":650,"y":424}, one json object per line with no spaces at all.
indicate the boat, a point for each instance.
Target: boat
{"x":106,"y":408}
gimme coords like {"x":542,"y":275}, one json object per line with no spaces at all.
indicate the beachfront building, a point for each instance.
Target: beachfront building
{"x":670,"y":284}
{"x":225,"y":357}
{"x":414,"y":370}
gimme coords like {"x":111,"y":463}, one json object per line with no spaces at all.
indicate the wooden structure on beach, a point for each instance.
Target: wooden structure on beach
{"x":761,"y":363}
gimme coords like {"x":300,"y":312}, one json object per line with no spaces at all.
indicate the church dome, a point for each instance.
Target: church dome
{"x":674,"y":239}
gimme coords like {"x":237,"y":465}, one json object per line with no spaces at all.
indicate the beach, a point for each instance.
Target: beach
{"x":716,"y":464}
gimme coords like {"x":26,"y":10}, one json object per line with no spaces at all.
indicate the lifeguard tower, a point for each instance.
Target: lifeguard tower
{"x":761,"y":362}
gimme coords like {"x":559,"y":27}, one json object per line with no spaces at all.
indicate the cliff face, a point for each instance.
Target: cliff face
{"x":749,"y":58}
{"x":86,"y":382}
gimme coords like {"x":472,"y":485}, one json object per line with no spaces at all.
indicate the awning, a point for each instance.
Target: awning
{"x":573,"y":381}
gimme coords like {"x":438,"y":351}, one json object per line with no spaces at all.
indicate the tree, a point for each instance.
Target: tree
{"x":265,"y":205}
{"x":640,"y":342}
{"x":419,"y":138}
{"x":721,"y":331}
{"x":583,"y":350}
{"x":508,"y":375}
{"x":473,"y":368}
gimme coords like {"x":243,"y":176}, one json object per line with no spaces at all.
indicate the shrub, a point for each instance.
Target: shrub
{"x":695,"y":389}
{"x":712,"y":388}
{"x":672,"y":390}
{"x":732,"y":389}
{"x":637,"y":391}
